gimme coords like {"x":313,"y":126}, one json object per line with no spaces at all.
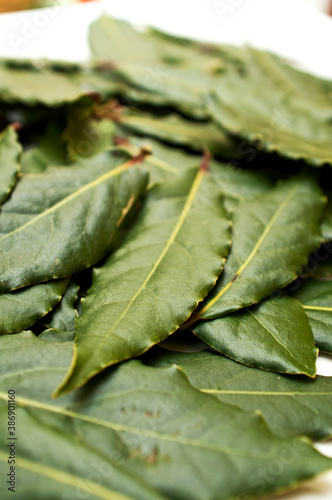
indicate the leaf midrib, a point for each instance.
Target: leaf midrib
{"x":317,"y":308}
{"x":60,"y":476}
{"x":273,"y":335}
{"x":252,"y":254}
{"x":263,"y":393}
{"x":104,"y":177}
{"x":191,"y":197}
{"x":232,"y":451}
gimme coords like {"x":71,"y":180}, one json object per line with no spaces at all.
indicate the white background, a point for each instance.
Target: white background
{"x":291,"y":28}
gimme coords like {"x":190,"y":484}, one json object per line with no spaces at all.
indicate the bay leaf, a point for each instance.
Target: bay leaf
{"x":165,"y":267}
{"x":162,"y":161}
{"x":65,"y":219}
{"x":10,"y":151}
{"x":273,"y":236}
{"x":252,"y":94}
{"x":291,"y":406}
{"x":170,"y":69}
{"x":129,"y":433}
{"x":174,"y":129}
{"x":276,"y":107}
{"x":50,"y":84}
{"x":273,"y":336}
{"x":316,"y":299}
{"x":22,"y":308}
{"x":236,"y":184}
{"x":62,"y":317}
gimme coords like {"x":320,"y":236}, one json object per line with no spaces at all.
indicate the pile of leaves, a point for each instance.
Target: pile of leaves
{"x":167,"y":187}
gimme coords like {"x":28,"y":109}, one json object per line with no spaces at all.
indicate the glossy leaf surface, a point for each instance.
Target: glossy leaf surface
{"x":138,"y":425}
{"x":273,"y":236}
{"x":166,"y":266}
{"x":65,"y":218}
{"x":274,"y":336}
{"x":22,"y":308}
{"x":291,"y":406}
{"x":316,"y":298}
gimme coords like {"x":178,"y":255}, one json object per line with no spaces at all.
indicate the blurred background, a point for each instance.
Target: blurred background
{"x":15,"y":5}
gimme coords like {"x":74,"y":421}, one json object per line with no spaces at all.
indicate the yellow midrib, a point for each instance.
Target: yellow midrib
{"x":161,"y":164}
{"x":83,"y":189}
{"x":198,"y":179}
{"x":175,"y":438}
{"x":317,"y":308}
{"x":251,"y":256}
{"x":271,"y":333}
{"x":60,"y":476}
{"x":264,"y":393}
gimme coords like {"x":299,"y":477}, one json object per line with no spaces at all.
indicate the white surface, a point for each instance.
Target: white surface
{"x":290,"y":28}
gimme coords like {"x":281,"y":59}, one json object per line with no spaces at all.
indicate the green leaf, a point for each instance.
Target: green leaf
{"x":51,"y":84}
{"x":10,"y":151}
{"x":291,"y":406}
{"x":175,"y":71}
{"x":165,"y":161}
{"x":166,"y":266}
{"x":174,"y":129}
{"x":316,"y":299}
{"x":277,"y":107}
{"x":238,"y":184}
{"x":274,"y":336}
{"x":22,"y":308}
{"x":65,"y":219}
{"x":62,"y":317}
{"x":134,"y":429}
{"x":80,"y":467}
{"x":273,"y":236}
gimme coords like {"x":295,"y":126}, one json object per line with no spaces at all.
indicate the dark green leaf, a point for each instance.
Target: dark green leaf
{"x":62,"y":317}
{"x":22,"y":308}
{"x":273,"y":236}
{"x":316,"y":298}
{"x":65,"y":219}
{"x":291,"y":406}
{"x":274,"y":336}
{"x":138,"y":425}
{"x":166,"y":266}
